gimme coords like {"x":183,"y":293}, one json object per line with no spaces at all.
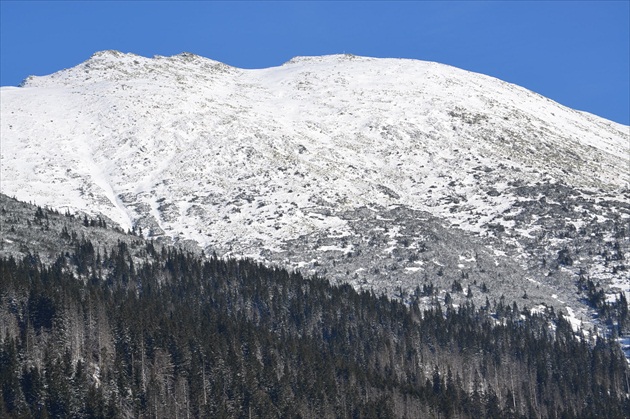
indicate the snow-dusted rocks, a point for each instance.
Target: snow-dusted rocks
{"x":385,"y":173}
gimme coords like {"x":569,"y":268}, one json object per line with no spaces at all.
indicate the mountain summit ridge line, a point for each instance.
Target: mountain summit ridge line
{"x":323,"y":161}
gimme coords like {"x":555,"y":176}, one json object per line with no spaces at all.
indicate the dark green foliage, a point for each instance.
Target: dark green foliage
{"x":156,"y":332}
{"x":613,"y":313}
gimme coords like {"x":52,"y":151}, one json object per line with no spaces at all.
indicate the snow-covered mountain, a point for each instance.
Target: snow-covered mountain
{"x":389,"y":174}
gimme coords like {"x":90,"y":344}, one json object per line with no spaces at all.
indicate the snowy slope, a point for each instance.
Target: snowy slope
{"x":290,"y":164}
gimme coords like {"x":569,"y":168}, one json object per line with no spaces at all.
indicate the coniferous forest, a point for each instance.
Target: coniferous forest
{"x":137,"y":329}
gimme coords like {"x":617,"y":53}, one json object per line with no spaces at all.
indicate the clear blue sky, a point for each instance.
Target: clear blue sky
{"x":577,"y":53}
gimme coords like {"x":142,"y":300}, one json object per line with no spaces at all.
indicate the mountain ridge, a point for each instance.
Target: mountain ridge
{"x":370,"y":171}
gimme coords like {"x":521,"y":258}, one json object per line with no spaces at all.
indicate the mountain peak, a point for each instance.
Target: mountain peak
{"x":116,"y":66}
{"x":110,"y":57}
{"x":109,"y":53}
{"x":381,"y":171}
{"x":189,"y":56}
{"x":118,"y":55}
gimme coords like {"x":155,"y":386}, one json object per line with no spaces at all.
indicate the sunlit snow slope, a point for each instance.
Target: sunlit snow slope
{"x":387,"y":172}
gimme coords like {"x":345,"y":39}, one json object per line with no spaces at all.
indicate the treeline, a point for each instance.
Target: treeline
{"x":614,"y":314}
{"x":159,"y":333}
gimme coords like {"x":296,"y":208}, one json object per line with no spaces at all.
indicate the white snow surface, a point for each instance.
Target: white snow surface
{"x":236,"y":159}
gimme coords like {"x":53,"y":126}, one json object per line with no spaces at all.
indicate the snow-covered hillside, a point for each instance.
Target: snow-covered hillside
{"x":385,"y":173}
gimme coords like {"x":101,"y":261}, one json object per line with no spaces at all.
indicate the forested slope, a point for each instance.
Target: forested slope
{"x":133,"y":329}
